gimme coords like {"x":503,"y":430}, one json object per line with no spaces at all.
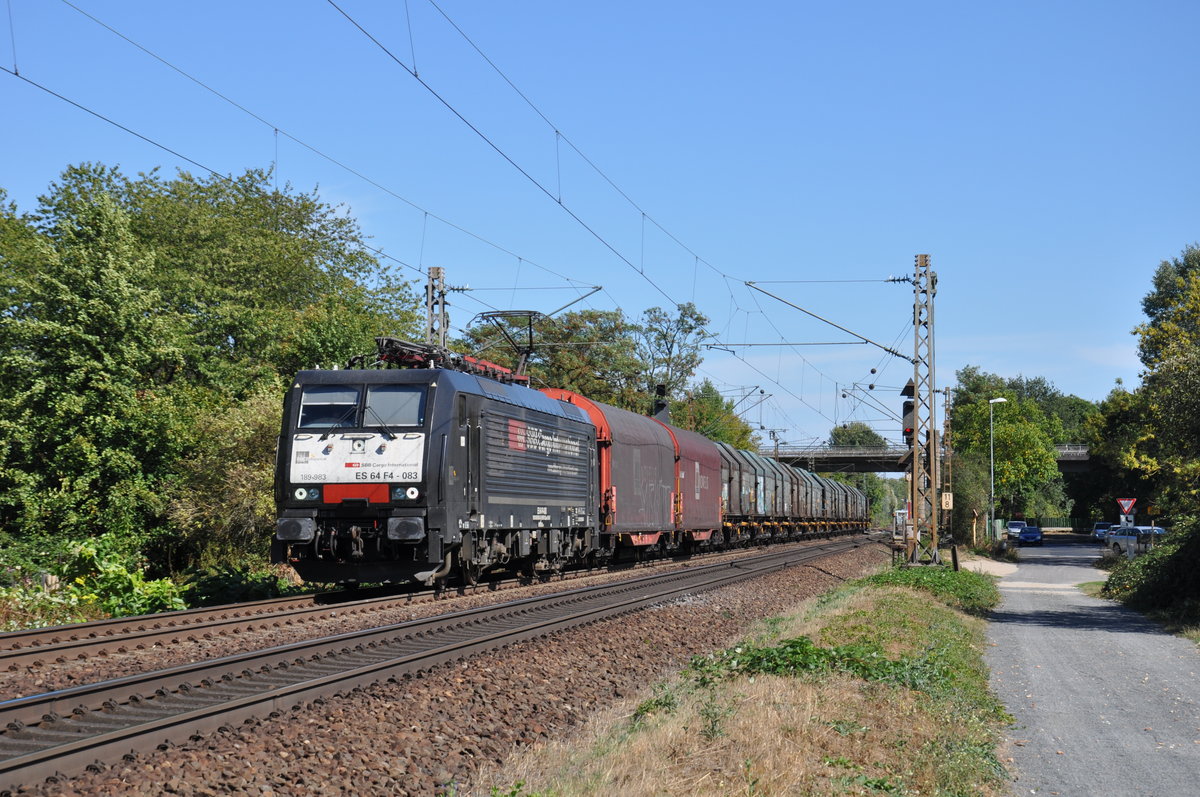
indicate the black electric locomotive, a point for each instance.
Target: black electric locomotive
{"x":403,"y":474}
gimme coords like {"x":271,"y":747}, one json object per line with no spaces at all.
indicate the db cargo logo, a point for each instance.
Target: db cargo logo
{"x":523,"y":437}
{"x":516,"y":434}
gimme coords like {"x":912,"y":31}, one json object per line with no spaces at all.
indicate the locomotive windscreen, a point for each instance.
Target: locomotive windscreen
{"x":395,"y":405}
{"x":328,"y":406}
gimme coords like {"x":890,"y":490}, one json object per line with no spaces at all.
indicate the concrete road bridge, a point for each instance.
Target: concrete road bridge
{"x":1072,"y":458}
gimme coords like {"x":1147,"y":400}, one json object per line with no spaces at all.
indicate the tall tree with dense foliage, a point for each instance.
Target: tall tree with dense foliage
{"x":260,"y":281}
{"x":602,"y":354}
{"x":84,"y":426}
{"x":1172,"y":309}
{"x":591,"y":352}
{"x":704,"y":410}
{"x":141,"y":317}
{"x":1027,"y":480}
{"x":669,"y":346}
{"x":1151,"y":435}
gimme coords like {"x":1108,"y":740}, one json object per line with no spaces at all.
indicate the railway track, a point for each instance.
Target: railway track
{"x":41,"y":647}
{"x":68,"y":730}
{"x":36,"y":646}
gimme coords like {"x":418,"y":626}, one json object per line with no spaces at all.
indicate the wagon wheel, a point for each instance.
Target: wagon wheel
{"x":471,"y":571}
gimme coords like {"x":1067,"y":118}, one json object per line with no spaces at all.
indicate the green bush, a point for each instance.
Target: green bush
{"x":970,"y":592}
{"x":216,"y":586}
{"x":29,"y":604}
{"x":116,"y":585}
{"x":1165,"y":577}
{"x":800,"y":656}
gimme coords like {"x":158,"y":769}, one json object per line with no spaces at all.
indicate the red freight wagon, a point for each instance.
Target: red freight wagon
{"x":637,"y":470}
{"x":697,"y":483}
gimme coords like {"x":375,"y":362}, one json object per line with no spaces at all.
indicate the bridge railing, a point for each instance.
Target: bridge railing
{"x":1065,"y":451}
{"x":840,"y":451}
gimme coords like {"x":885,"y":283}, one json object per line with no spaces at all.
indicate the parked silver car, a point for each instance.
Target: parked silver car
{"x":1132,"y":540}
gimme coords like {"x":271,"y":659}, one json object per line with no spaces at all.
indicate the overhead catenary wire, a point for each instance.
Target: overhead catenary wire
{"x":555,"y":196}
{"x":577,"y":283}
{"x":158,"y":144}
{"x":560,"y":136}
{"x":502,"y":153}
{"x":277,"y":131}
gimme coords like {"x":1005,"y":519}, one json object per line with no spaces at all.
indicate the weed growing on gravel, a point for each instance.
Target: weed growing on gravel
{"x":665,"y":700}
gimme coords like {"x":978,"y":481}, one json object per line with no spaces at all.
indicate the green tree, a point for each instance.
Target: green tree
{"x":141,"y":315}
{"x":669,"y":346}
{"x":1027,"y":480}
{"x":590,"y":352}
{"x":84,"y":428}
{"x":222,"y":507}
{"x":260,"y":281}
{"x":1172,"y":308}
{"x":1123,"y":450}
{"x":704,"y":410}
{"x":855,"y":433}
{"x":1173,"y":388}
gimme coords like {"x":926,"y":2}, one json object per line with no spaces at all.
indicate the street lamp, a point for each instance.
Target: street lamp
{"x":992,"y":465}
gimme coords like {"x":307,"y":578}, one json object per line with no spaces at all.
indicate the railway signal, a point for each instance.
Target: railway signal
{"x":910,"y":423}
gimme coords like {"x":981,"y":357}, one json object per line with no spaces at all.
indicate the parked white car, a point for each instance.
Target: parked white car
{"x":1131,"y":540}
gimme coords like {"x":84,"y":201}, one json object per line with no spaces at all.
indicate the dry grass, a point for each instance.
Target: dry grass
{"x":714,"y":744}
{"x":771,"y":735}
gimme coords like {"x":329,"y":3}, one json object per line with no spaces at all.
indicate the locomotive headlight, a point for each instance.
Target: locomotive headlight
{"x":307,"y":493}
{"x":301,"y":493}
{"x":402,"y":493}
{"x":411,"y":493}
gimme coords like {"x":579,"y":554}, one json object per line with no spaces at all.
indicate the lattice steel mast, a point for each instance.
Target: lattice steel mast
{"x":923,"y":491}
{"x":437,"y":318}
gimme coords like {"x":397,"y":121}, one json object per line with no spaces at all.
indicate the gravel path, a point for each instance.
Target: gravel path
{"x":414,"y":736}
{"x":1105,"y":702}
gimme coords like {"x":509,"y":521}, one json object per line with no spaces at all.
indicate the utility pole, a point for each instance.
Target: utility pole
{"x":947,"y":485}
{"x":923,"y":548}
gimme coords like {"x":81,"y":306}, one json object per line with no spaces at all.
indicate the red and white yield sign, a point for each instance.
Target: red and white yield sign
{"x":1126,"y":505}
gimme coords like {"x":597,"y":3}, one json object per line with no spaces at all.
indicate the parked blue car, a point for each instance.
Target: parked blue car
{"x":1030,"y":535}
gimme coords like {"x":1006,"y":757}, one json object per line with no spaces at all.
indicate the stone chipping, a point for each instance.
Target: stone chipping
{"x":428,"y":734}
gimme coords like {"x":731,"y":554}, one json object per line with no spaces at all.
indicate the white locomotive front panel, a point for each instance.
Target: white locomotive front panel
{"x":356,"y":457}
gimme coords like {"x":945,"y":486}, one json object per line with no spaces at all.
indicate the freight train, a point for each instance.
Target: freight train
{"x":424,"y":464}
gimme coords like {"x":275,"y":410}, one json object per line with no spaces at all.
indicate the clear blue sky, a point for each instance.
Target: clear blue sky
{"x":1045,"y":154}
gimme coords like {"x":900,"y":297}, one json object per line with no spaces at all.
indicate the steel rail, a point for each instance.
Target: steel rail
{"x":130,"y":636}
{"x":42,"y":646}
{"x":29,"y":639}
{"x":111,"y":719}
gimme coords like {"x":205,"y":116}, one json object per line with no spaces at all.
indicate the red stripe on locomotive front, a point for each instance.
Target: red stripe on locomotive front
{"x":373,"y":493}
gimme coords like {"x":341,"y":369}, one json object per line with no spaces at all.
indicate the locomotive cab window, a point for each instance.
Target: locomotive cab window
{"x":395,"y":405}
{"x":328,"y":407}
